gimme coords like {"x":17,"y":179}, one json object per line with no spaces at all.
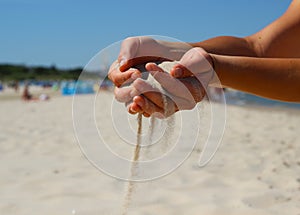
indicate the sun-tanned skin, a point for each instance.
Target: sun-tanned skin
{"x":266,"y":63}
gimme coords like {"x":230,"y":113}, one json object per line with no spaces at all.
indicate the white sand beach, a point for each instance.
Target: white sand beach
{"x":43,"y":171}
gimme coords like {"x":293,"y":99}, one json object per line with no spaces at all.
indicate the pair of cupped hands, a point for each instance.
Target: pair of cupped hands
{"x":185,"y":85}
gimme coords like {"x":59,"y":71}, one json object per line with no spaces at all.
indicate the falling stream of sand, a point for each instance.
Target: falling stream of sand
{"x":166,"y":140}
{"x":134,"y":167}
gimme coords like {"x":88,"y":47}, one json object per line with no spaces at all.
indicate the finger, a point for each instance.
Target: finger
{"x":195,"y":87}
{"x":128,"y":56}
{"x":195,"y":61}
{"x":170,"y":84}
{"x":128,"y":106}
{"x":147,"y":106}
{"x":144,"y":106}
{"x":178,"y":90}
{"x":148,"y":91}
{"x":139,"y":50}
{"x":125,"y":94}
{"x":119,"y":78}
{"x":146,"y":115}
{"x":143,"y":86}
{"x":151,"y":109}
{"x":129,"y":48}
{"x":135,"y":108}
{"x":156,"y":97}
{"x":130,"y":111}
{"x":153,"y":67}
{"x":179,"y":71}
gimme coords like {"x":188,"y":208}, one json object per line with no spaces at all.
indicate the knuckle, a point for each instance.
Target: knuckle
{"x":109,"y":76}
{"x":118,"y":84}
{"x":118,"y":80}
{"x":113,"y":79}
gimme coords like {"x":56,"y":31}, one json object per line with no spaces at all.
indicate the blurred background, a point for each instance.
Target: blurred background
{"x":44,"y":45}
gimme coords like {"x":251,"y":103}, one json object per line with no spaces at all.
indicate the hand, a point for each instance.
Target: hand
{"x":140,"y":50}
{"x":193,"y":63}
{"x":180,"y":94}
{"x":135,"y":51}
{"x":196,"y":69}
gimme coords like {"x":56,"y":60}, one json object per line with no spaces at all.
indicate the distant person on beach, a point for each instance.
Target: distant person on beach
{"x":266,"y":63}
{"x":26,"y":96}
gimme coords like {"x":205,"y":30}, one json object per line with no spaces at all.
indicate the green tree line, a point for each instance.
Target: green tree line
{"x":10,"y":72}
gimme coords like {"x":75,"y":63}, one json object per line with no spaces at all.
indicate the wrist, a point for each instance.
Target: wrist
{"x":211,"y":60}
{"x":215,"y":81}
{"x":174,"y":50}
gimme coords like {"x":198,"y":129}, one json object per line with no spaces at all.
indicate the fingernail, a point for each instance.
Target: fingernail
{"x":131,"y":109}
{"x":138,"y":102}
{"x":178,"y":72}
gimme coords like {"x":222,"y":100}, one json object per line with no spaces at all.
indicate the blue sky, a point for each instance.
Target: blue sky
{"x":68,"y":33}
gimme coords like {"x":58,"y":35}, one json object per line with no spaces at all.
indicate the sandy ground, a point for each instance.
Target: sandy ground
{"x":255,"y":171}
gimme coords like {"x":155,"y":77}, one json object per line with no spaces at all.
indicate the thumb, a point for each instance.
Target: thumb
{"x":128,"y":51}
{"x":193,"y":62}
{"x":140,"y":50}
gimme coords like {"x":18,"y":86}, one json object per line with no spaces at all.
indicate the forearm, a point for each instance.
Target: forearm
{"x":227,"y":45}
{"x":223,"y":45}
{"x":268,"y":77}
